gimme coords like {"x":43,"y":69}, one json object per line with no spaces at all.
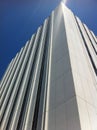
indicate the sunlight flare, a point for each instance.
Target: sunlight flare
{"x":64,"y":1}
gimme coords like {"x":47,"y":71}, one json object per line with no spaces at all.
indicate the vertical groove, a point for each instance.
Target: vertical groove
{"x":18,"y":85}
{"x":90,"y":39}
{"x":95,"y":39}
{"x":6,"y":74}
{"x":21,"y":94}
{"x":8,"y":79}
{"x":94,"y":67}
{"x":41,"y":87}
{"x":34,"y":84}
{"x":26,"y":97}
{"x":10,"y":105}
{"x":5,"y":86}
{"x":4,"y":99}
{"x":49,"y":71}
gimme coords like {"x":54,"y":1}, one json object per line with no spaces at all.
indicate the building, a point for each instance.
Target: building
{"x":51,"y":84}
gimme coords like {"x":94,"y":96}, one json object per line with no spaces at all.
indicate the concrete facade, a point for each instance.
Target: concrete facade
{"x":51,"y":84}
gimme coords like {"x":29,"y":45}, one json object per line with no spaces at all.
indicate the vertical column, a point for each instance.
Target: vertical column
{"x":35,"y":82}
{"x":16,"y":80}
{"x":6,"y":74}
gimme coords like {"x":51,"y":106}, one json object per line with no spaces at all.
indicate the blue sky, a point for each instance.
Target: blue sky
{"x":19,"y":19}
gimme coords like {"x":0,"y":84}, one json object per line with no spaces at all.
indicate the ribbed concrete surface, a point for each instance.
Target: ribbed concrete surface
{"x":51,"y":84}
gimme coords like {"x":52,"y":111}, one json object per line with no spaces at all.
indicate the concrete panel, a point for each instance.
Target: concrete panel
{"x":87,"y":114}
{"x":64,"y":88}
{"x":92,"y":116}
{"x":63,"y":117}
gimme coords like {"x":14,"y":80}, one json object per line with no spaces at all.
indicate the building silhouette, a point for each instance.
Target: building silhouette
{"x":51,"y":84}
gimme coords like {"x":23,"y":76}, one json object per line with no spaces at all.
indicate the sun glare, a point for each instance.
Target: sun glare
{"x":64,"y":1}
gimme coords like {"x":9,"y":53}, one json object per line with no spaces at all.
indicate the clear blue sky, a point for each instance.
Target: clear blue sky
{"x":20,"y":19}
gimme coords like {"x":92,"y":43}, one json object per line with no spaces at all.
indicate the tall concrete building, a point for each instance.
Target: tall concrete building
{"x":51,"y":84}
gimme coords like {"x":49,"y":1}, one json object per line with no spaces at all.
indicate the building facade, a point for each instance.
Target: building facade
{"x":51,"y":84}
